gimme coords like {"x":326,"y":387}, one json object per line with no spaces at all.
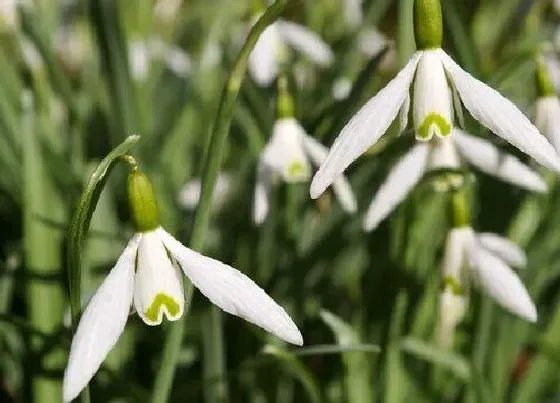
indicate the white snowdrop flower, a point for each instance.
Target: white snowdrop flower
{"x":341,"y":88}
{"x":286,"y":157}
{"x":211,"y":54}
{"x":167,"y":10}
{"x":439,"y":87}
{"x":353,"y":12}
{"x":272,"y":49}
{"x":148,"y":275}
{"x":139,"y":59}
{"x":483,"y":260}
{"x":189,"y":194}
{"x":9,"y":14}
{"x":371,"y":41}
{"x":73,"y":45}
{"x":31,"y":55}
{"x":450,"y":153}
{"x":547,"y":107}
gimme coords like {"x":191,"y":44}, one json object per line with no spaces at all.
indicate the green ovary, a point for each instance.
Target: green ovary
{"x":162,"y":299}
{"x":433,"y":119}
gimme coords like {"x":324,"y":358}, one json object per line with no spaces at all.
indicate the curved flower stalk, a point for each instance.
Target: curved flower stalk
{"x":272,"y":49}
{"x":148,"y":277}
{"x":451,"y":152}
{"x":439,"y":87}
{"x":547,"y":107}
{"x":484,"y":260}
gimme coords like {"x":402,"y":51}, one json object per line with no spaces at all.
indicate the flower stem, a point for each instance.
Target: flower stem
{"x":212,"y":165}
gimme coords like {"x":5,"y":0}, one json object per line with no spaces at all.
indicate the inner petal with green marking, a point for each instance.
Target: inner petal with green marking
{"x":163,"y":304}
{"x":453,"y":285}
{"x":433,"y":124}
{"x":297,"y":170}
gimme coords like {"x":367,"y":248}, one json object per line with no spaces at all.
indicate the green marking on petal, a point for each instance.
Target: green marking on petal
{"x":296,"y":169}
{"x":424,"y":131}
{"x":160,"y":300}
{"x":453,"y":285}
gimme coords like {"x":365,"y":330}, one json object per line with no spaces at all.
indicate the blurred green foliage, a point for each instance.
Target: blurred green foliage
{"x":68,"y":97}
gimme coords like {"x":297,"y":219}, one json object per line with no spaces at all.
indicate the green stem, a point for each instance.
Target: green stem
{"x":212,"y":165}
{"x":215,"y":390}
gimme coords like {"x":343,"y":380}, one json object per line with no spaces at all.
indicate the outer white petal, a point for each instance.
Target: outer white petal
{"x":443,"y":154}
{"x":365,"y":128}
{"x":501,"y":283}
{"x":232,"y":291}
{"x":405,"y":110}
{"x":503,"y":248}
{"x":260,"y":198}
{"x":178,"y":61}
{"x":486,"y":157}
{"x":139,"y":59}
{"x":307,"y":42}
{"x":452,"y":309}
{"x":371,"y":41}
{"x":458,"y":244}
{"x":189,"y":194}
{"x":263,"y":62}
{"x":284,"y":153}
{"x":402,"y":178}
{"x":341,"y":187}
{"x":501,"y":116}
{"x":101,"y":324}
{"x":547,"y":119}
{"x":353,"y":12}
{"x":158,"y":285}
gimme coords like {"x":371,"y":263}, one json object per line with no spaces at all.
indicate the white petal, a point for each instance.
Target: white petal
{"x":501,"y":283}
{"x":139,"y":60}
{"x":547,"y":119}
{"x":432,"y":102}
{"x":101,"y":324}
{"x":365,"y":128}
{"x":341,"y":187}
{"x":353,"y":12}
{"x":190,"y":194}
{"x":284,"y":153}
{"x":178,"y":61}
{"x":443,"y":154}
{"x":307,"y":42}
{"x":488,"y":158}
{"x":371,"y":41}
{"x":459,"y":241}
{"x":263,"y":62}
{"x":341,"y":88}
{"x":158,"y":285}
{"x":503,"y":248}
{"x":232,"y":291}
{"x":401,"y":180}
{"x":452,"y":309}
{"x":501,"y":116}
{"x":405,"y":110}
{"x":260,"y":198}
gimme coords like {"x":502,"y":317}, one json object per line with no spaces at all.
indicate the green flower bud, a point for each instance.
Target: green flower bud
{"x":143,"y":205}
{"x":428,"y":25}
{"x":285,"y":102}
{"x":545,"y":88}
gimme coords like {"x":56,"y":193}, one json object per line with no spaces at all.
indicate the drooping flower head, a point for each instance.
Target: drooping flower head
{"x":286,"y":156}
{"x":272,"y":50}
{"x":484,"y":260}
{"x":440,"y":89}
{"x":148,"y":277}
